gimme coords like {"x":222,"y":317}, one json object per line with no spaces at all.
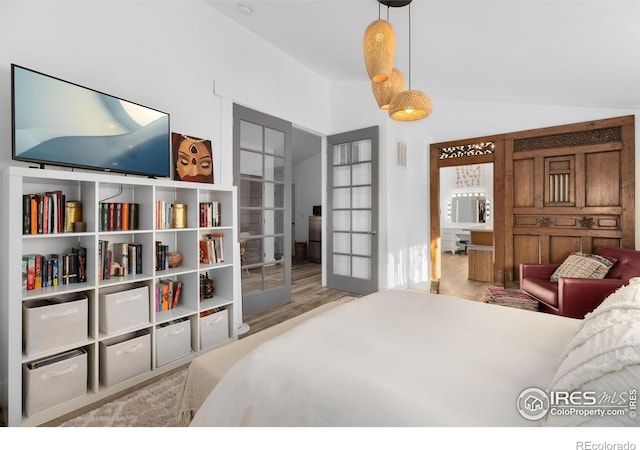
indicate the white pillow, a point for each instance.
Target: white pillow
{"x":603,"y":357}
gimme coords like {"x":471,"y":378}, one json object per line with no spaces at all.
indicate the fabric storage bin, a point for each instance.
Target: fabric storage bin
{"x":123,"y":310}
{"x":214,"y":329}
{"x":173,"y":341}
{"x":124,"y":357}
{"x":53,"y":323}
{"x":54,"y":380}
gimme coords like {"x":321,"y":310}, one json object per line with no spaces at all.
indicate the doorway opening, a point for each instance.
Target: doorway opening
{"x":466,"y":203}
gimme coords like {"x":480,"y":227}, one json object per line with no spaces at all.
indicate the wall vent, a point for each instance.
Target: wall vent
{"x":401,"y":154}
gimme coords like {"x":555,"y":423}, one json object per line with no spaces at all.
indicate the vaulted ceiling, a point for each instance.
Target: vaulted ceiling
{"x":558,"y":52}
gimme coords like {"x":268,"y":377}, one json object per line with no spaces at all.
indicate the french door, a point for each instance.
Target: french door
{"x":352,"y":204}
{"x":262,"y":172}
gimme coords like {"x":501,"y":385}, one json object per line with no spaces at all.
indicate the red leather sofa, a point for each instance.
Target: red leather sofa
{"x":575,"y":297}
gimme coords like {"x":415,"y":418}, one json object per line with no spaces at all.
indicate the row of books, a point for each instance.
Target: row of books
{"x":167,"y":295}
{"x":43,"y":213}
{"x":164,"y":216}
{"x":119,"y":216}
{"x":162,"y":256}
{"x":210,"y":214}
{"x":127,"y":256}
{"x":212,"y":248}
{"x":40,"y":271}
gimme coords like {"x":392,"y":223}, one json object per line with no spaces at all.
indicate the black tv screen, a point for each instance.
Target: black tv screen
{"x":61,"y":123}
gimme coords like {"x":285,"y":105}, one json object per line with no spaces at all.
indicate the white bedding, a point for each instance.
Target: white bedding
{"x":394,"y":358}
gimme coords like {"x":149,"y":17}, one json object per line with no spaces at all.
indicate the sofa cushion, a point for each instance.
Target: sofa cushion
{"x":544,"y":290}
{"x":583,"y":265}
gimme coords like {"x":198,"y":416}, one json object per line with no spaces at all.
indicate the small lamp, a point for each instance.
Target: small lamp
{"x":410,"y":104}
{"x":379,"y":48}
{"x":384,"y":91}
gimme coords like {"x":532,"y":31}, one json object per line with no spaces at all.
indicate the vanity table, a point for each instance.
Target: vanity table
{"x":480,"y":253}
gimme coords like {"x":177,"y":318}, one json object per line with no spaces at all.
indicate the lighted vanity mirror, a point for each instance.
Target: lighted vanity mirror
{"x":469,"y":209}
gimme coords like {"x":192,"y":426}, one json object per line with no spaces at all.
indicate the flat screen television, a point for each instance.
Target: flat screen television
{"x":60,"y":123}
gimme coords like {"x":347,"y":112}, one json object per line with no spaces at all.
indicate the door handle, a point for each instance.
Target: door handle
{"x":373,"y":233}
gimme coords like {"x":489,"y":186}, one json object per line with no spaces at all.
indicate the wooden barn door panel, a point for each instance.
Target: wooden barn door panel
{"x":524,"y":190}
{"x":526,"y":248}
{"x":601,"y":166}
{"x":561,"y":246}
{"x":568,"y":191}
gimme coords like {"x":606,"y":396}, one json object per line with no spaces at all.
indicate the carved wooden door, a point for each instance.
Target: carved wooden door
{"x":568,"y":188}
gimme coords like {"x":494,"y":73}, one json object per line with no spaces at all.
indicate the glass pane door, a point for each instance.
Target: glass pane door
{"x":353,"y":204}
{"x":263,"y":174}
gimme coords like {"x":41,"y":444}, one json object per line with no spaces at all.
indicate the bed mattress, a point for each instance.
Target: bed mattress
{"x":394,"y":358}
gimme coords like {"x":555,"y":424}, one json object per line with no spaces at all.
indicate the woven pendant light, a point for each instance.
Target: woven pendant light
{"x":410,"y":105}
{"x":384,"y":91}
{"x":379,"y":48}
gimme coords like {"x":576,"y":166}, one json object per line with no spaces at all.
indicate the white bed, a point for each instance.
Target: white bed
{"x":401,"y":358}
{"x":394,"y":358}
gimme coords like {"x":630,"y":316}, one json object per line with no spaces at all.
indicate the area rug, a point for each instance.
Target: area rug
{"x":153,"y":405}
{"x":509,"y":297}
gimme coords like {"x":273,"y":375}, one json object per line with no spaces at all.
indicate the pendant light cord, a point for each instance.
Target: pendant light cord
{"x":379,"y":15}
{"x":409,"y":46}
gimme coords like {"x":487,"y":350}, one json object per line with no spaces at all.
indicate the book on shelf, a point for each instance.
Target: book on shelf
{"x":135,"y":259}
{"x":118,"y":217}
{"x":115,"y":216}
{"x":210,"y":214}
{"x":41,"y":271}
{"x":134,"y":213}
{"x":167,"y":294}
{"x":176,"y":293}
{"x":55,"y":265}
{"x":162,"y":256}
{"x":25,"y":273}
{"x":125,"y":217}
{"x":80,"y":254}
{"x":30,"y":262}
{"x":70,"y":268}
{"x":131,"y":265}
{"x":26,"y":214}
{"x":49,"y":272}
{"x":213,"y":248}
{"x":43,"y":212}
{"x":104,"y":266}
{"x":38,"y":272}
{"x":163,"y":218}
{"x":112,"y":217}
{"x":138,"y":258}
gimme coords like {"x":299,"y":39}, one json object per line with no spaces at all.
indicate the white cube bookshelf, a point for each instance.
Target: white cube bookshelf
{"x":94,"y":189}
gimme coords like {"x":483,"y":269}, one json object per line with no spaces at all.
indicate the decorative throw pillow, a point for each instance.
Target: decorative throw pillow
{"x":584,"y":265}
{"x":603,"y":357}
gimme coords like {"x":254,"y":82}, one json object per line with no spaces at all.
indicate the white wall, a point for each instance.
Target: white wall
{"x":167,"y":55}
{"x":308,"y":181}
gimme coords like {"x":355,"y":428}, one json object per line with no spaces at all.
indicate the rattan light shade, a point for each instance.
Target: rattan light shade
{"x":410,"y":105}
{"x":379,"y":48}
{"x":384,"y":91}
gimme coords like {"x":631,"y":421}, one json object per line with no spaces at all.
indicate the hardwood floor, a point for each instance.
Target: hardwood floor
{"x":307,"y":293}
{"x":454,"y":278}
